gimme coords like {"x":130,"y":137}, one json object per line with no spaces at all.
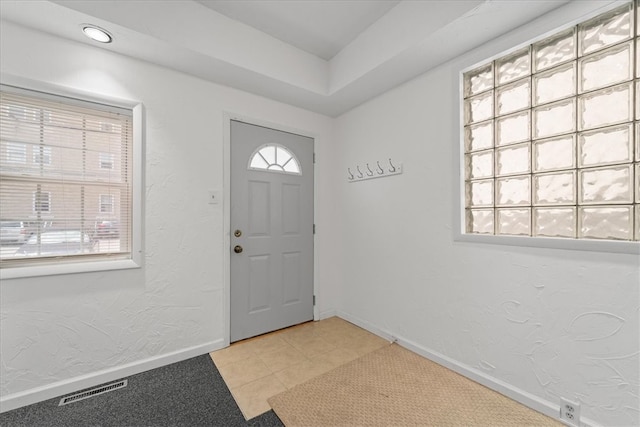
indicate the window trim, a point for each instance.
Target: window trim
{"x":17,"y":83}
{"x":503,"y":46}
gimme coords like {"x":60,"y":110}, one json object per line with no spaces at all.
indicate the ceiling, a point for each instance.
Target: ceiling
{"x":323,"y":56}
{"x":320,"y":27}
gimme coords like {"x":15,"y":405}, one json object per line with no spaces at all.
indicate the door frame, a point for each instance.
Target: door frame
{"x":226,"y":201}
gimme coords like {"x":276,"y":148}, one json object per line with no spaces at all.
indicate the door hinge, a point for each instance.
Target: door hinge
{"x":314,"y":300}
{"x":314,"y":229}
{"x":314,"y":158}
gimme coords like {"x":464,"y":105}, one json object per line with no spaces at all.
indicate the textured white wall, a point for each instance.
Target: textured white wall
{"x":58,"y":329}
{"x":548,"y":323}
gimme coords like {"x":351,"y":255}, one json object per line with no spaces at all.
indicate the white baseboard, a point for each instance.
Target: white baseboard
{"x":367,"y":326}
{"x":326,"y":314}
{"x":38,"y":394}
{"x":527,"y":399}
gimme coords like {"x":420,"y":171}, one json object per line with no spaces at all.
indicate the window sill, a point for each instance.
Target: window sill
{"x":609,"y":246}
{"x":67,"y":268}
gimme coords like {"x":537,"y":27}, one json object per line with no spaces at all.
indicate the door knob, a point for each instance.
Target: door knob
{"x":237,"y":233}
{"x":237,"y":249}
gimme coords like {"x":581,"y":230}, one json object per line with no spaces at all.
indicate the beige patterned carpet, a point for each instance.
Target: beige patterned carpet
{"x":393,"y":386}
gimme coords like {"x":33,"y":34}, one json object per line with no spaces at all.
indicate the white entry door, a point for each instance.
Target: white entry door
{"x":271,"y":230}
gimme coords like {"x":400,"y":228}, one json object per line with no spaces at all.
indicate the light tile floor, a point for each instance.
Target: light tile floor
{"x":259,"y":368}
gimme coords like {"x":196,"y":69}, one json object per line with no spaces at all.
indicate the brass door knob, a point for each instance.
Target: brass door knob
{"x":237,"y":249}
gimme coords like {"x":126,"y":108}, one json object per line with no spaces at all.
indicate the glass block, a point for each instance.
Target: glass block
{"x":637,"y":99}
{"x":480,"y":193}
{"x":480,"y":136}
{"x":638,"y":56}
{"x":479,"y":165}
{"x":480,"y":221}
{"x":479,"y":108}
{"x":554,"y":84}
{"x":513,"y":159}
{"x":605,"y":222}
{"x":514,"y":221}
{"x":478,"y":80}
{"x":554,"y":222}
{"x":637,"y":141}
{"x":606,"y":107}
{"x":513,"y":129}
{"x":637,"y":186}
{"x":637,"y":222}
{"x":555,"y":50}
{"x":605,"y":146}
{"x":514,"y":66}
{"x":554,"y":188}
{"x":554,"y":153}
{"x":554,"y":119}
{"x":514,"y":191}
{"x":513,"y":97}
{"x":605,"y":30}
{"x":606,"y":185}
{"x":605,"y":68}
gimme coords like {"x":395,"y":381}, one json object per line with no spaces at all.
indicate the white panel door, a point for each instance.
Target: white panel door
{"x":271,"y":230}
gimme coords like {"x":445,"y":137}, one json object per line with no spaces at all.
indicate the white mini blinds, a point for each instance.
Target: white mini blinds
{"x":274,"y":158}
{"x":66,"y":174}
{"x":552,"y":135}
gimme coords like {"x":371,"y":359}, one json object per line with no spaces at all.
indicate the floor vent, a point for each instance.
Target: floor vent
{"x":93,"y":392}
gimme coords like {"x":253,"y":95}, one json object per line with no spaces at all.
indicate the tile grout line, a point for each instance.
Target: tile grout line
{"x":315,"y":331}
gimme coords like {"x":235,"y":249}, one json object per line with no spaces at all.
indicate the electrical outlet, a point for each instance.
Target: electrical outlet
{"x":569,"y":412}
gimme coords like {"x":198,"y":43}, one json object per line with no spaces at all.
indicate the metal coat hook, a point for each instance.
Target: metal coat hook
{"x":364,"y":171}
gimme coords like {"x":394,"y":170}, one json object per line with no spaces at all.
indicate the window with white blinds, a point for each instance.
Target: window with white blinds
{"x":66,"y":182}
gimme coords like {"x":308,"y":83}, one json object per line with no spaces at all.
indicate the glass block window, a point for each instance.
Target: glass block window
{"x":274,"y":158}
{"x":552,"y":135}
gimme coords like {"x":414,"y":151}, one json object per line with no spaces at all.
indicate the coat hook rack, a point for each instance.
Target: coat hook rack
{"x":381,"y":170}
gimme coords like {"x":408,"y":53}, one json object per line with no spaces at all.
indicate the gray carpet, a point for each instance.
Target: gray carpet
{"x":188,"y":393}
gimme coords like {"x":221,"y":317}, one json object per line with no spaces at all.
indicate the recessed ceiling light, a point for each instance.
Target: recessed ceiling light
{"x":96,"y":33}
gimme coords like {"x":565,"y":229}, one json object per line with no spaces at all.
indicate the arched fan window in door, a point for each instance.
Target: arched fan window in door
{"x":274,"y":158}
